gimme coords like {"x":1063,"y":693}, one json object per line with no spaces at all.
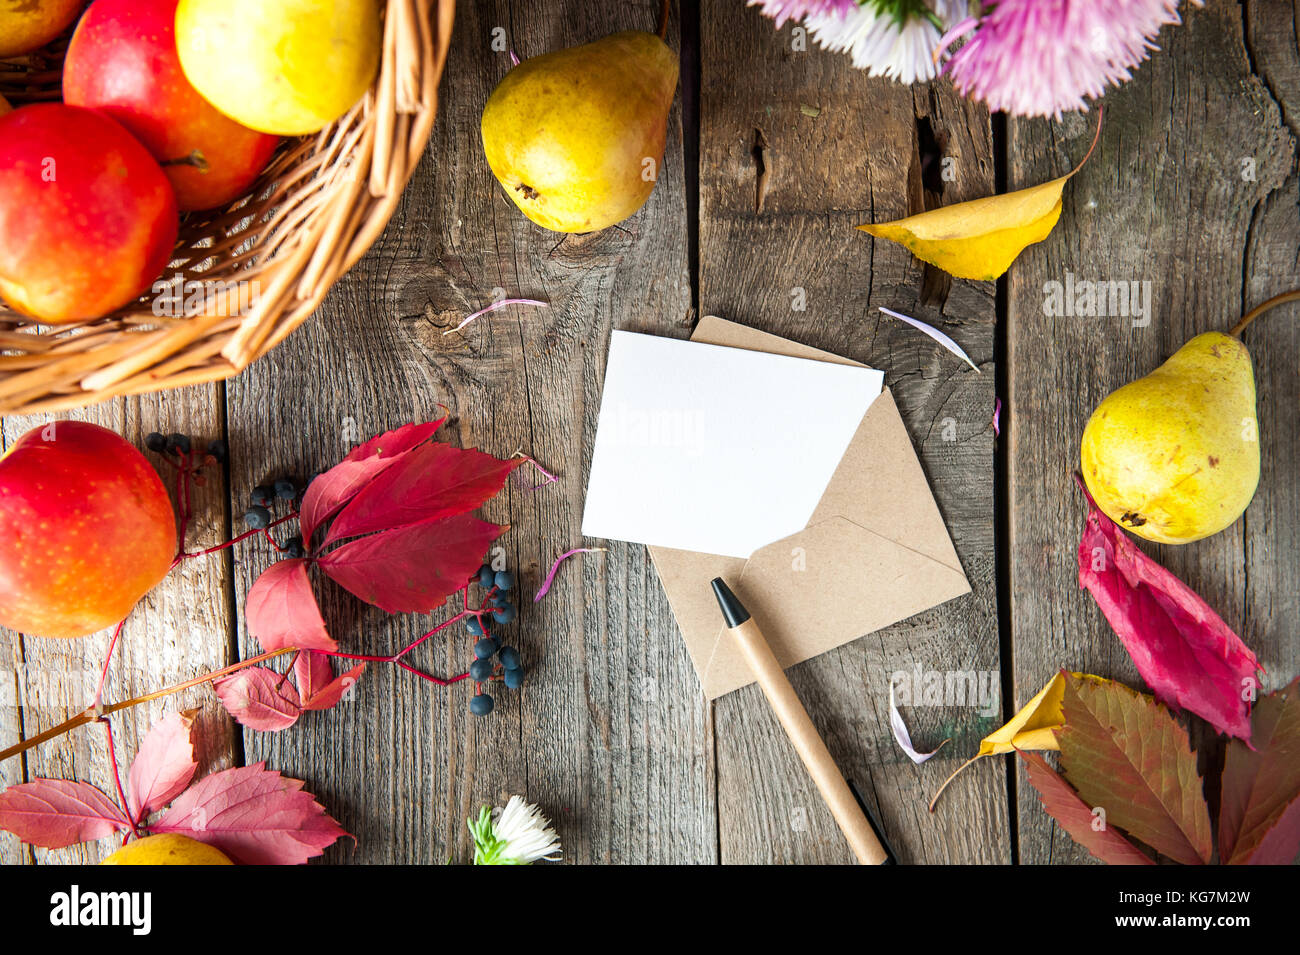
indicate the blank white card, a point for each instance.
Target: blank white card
{"x":715,"y":449}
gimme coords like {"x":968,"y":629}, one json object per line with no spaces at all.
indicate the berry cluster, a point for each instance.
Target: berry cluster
{"x":180,"y":444}
{"x":509,"y":668}
{"x":264,"y":498}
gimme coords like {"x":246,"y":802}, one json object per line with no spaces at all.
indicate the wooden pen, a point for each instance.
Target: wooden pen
{"x":799,"y":727}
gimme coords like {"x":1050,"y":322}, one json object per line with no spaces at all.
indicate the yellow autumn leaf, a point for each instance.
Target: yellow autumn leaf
{"x":980,"y":239}
{"x":1033,"y":727}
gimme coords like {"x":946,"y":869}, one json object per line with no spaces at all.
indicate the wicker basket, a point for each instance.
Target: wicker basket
{"x":313,"y":213}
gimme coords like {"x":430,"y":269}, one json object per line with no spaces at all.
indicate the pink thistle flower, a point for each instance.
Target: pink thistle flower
{"x":1042,"y":57}
{"x":782,"y":10}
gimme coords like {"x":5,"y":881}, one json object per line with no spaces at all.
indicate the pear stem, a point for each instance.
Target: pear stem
{"x":1258,"y":310}
{"x":663,"y":20}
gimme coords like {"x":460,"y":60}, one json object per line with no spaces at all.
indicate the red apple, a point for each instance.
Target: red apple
{"x":26,"y":25}
{"x":122,"y":60}
{"x":86,"y":530}
{"x":87,"y":218}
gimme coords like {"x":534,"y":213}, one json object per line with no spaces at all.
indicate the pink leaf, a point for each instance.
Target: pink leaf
{"x":282,"y":610}
{"x":164,"y":765}
{"x":317,"y":686}
{"x":253,"y":815}
{"x":330,"y":694}
{"x":432,"y":481}
{"x":260,"y":699}
{"x":313,"y":671}
{"x":1182,"y":648}
{"x":53,"y":813}
{"x":550,"y":575}
{"x":335,"y":487}
{"x":505,"y":301}
{"x":902,"y":737}
{"x":412,"y":569}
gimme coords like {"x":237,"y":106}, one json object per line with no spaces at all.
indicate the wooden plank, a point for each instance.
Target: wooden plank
{"x":610,"y":736}
{"x":842,"y":149}
{"x":1164,"y":200}
{"x":179,"y":630}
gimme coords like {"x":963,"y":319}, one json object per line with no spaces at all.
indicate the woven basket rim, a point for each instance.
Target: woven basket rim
{"x":303,"y":242}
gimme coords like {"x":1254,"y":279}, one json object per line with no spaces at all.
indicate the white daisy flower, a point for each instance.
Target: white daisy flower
{"x":888,"y":39}
{"x":517,"y":835}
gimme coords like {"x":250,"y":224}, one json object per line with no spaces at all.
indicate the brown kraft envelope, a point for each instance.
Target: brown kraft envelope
{"x":875,"y":551}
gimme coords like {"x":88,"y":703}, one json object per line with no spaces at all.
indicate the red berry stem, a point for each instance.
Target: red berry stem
{"x":108,"y":658}
{"x":117,"y":776}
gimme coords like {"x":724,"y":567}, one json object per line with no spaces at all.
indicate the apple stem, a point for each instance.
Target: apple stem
{"x":1258,"y":310}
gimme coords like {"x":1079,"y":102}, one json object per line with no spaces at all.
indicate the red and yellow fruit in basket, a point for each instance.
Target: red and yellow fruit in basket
{"x":87,"y":218}
{"x":288,"y":68}
{"x":86,"y":530}
{"x":123,"y":62}
{"x":169,"y":106}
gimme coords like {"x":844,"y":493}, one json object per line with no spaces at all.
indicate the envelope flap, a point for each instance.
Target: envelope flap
{"x":880,"y":485}
{"x":823,"y":587}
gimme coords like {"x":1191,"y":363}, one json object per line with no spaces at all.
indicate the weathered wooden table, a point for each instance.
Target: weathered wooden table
{"x":1193,"y":188}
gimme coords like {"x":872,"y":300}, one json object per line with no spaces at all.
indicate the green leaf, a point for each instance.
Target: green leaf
{"x":1077,"y":818}
{"x":1124,"y":752}
{"x":1259,"y":820}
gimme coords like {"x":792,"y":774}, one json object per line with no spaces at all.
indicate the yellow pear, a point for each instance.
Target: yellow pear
{"x":167,"y":848}
{"x":576,"y":137}
{"x":1174,"y":457}
{"x":287,"y":68}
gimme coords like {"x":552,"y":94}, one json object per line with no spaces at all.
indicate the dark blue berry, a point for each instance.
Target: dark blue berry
{"x":219,"y":450}
{"x":475,"y":628}
{"x":485,"y":575}
{"x":505,"y":613}
{"x":257,"y":517}
{"x":496,"y":600}
{"x":179,"y":442}
{"x":480,"y":670}
{"x":510,"y":658}
{"x":263,"y":495}
{"x":286,"y":489}
{"x":504,"y":580}
{"x":293,"y":547}
{"x":514,"y":678}
{"x":155,"y":442}
{"x":481,"y":705}
{"x":485,"y":648}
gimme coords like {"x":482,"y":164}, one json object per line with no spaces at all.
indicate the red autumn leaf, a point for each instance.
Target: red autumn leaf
{"x":163,"y":766}
{"x":412,"y":569}
{"x":312,"y":672}
{"x":432,"y":481}
{"x":1076,"y":817}
{"x":259,"y":698}
{"x":282,"y":610}
{"x":1259,"y":818}
{"x":1182,"y":648}
{"x":1125,"y":753}
{"x":318,"y":688}
{"x":53,"y":813}
{"x":332,"y":489}
{"x":253,"y":815}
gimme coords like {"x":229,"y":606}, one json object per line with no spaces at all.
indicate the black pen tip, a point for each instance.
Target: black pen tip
{"x":732,"y":609}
